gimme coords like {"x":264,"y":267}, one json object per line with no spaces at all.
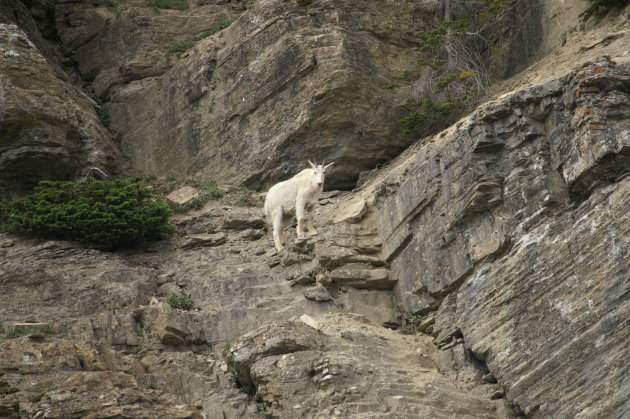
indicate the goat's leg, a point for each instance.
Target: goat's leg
{"x":278,"y":227}
{"x":311,"y":220}
{"x":300,"y":214}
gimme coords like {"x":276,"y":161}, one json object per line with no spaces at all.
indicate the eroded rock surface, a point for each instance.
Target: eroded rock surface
{"x":48,"y":378}
{"x":504,"y":240}
{"x":298,"y":371}
{"x":112,"y":312}
{"x":282,"y":83}
{"x":518,"y":214}
{"x":48,"y":128}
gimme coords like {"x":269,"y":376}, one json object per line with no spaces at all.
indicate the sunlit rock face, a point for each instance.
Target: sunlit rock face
{"x":282,"y":84}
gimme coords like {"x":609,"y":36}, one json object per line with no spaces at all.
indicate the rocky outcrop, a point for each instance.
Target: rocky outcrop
{"x":48,"y":128}
{"x":520,"y":212}
{"x":296,"y":370}
{"x":48,"y":378}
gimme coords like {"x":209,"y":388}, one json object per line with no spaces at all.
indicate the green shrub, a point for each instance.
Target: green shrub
{"x":115,"y":213}
{"x":492,"y":8}
{"x":453,"y":67}
{"x":182,"y":46}
{"x":185,"y":302}
{"x":170,"y":4}
{"x":407,"y":75}
{"x":428,"y":110}
{"x":100,"y":108}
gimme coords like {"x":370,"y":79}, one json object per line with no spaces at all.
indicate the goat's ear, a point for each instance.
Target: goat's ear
{"x":312,"y":165}
{"x":329,"y":164}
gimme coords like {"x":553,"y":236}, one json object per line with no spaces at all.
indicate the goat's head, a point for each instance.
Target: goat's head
{"x":320,"y":172}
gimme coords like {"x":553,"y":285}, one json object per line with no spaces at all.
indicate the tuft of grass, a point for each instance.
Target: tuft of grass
{"x":226,"y":348}
{"x":81,"y":358}
{"x":431,"y":62}
{"x":183,"y":46}
{"x":411,"y":326}
{"x":222,"y":24}
{"x":193,"y":204}
{"x":246,"y":198}
{"x":99,"y":108}
{"x":208,"y":186}
{"x":170,"y":4}
{"x":184,"y":303}
{"x":210,"y":190}
{"x":16,"y":333}
{"x":339,"y":310}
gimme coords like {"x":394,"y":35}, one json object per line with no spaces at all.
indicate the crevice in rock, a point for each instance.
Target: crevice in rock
{"x":610,"y":169}
{"x":456,"y":360}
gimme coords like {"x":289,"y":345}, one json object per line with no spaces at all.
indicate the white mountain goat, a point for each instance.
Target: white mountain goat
{"x":294,"y":198}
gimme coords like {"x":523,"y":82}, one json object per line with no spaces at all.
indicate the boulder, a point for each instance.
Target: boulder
{"x":183,"y":195}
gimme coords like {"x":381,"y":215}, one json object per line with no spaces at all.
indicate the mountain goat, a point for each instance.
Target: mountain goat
{"x":295,"y":197}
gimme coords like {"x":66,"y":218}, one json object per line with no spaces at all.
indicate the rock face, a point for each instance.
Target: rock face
{"x":283,"y":83}
{"x":520,"y":211}
{"x":48,"y":128}
{"x":97,"y":30}
{"x":298,"y":371}
{"x":499,"y":248}
{"x":112,"y":312}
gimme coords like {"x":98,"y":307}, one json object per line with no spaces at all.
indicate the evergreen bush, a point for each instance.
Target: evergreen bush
{"x":117,"y":213}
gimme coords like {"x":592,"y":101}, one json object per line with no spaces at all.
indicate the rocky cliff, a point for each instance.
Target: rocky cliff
{"x":482,"y":272}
